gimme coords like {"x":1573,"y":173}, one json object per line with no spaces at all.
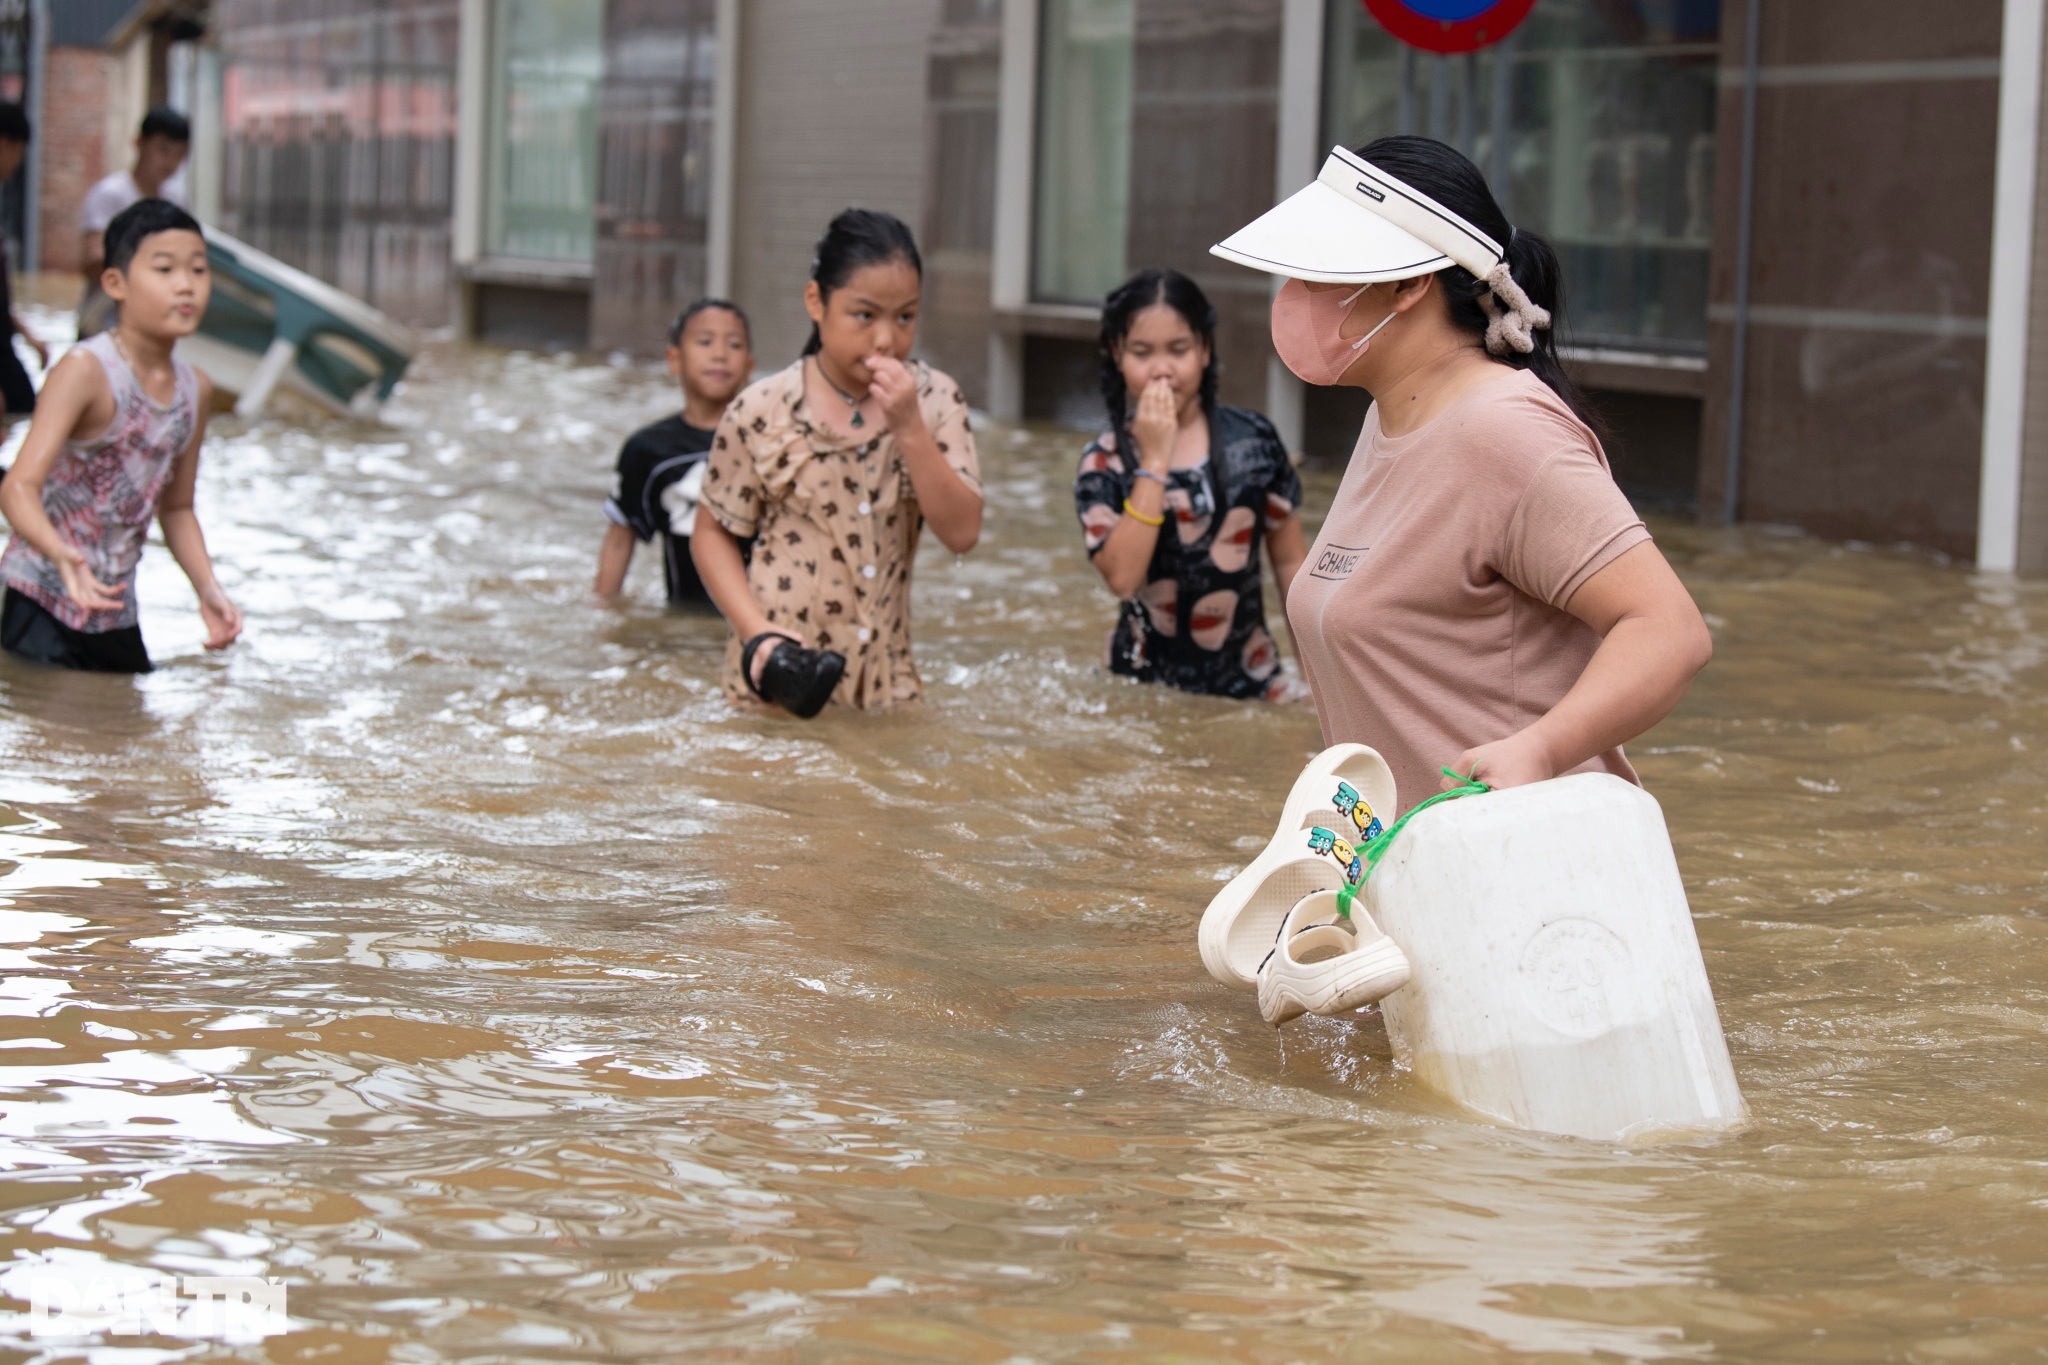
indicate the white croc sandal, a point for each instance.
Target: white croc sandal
{"x":1322,"y":965}
{"x":1337,"y":803}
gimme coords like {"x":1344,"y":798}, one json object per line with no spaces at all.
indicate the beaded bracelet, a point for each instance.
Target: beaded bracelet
{"x":1160,"y":479}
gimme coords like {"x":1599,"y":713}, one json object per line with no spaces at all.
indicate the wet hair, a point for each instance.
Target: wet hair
{"x":1449,"y":177}
{"x":13,"y":123}
{"x":140,"y":221}
{"x":675,"y":329}
{"x":856,"y":238}
{"x":1120,"y":308}
{"x":164,"y":121}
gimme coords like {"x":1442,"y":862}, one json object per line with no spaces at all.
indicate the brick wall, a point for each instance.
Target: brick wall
{"x":73,"y":137}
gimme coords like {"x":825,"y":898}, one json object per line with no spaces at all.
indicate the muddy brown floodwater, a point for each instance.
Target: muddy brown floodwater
{"x":452,"y":951}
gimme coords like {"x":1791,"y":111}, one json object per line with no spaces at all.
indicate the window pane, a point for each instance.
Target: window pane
{"x":544,"y":182}
{"x":1084,"y":149}
{"x":654,"y":180}
{"x":1203,"y":106}
{"x":338,"y":143}
{"x":1595,"y":125}
{"x":963,"y":83}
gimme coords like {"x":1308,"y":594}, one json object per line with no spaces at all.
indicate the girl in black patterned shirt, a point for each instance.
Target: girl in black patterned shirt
{"x":1192,"y":613}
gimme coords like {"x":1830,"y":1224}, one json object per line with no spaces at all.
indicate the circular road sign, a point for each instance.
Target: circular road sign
{"x":1450,"y":25}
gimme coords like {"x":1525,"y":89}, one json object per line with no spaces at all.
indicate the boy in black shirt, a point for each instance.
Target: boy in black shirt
{"x":661,"y":466}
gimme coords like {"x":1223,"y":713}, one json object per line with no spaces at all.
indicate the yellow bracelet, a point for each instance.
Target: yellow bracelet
{"x":1136,"y":515}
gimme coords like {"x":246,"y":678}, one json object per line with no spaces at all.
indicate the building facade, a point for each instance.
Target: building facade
{"x":86,"y":71}
{"x":1857,"y":406}
{"x":1781,"y":226}
{"x":336,"y":131}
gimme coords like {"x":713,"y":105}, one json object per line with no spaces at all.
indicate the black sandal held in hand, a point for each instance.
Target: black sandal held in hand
{"x":798,"y":680}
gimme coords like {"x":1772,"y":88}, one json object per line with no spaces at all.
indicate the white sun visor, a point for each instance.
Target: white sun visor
{"x":1355,"y":225}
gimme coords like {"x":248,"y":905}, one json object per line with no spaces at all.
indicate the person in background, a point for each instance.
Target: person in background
{"x":115,"y":442}
{"x":17,"y":393}
{"x":661,"y":466}
{"x":836,"y":464}
{"x":160,"y":148}
{"x":1193,"y":611}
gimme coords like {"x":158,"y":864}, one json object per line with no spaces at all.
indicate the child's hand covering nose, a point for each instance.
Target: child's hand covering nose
{"x":895,"y":388}
{"x":1156,"y":425}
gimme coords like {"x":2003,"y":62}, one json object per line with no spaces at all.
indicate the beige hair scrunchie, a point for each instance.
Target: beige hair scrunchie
{"x":1515,"y":325}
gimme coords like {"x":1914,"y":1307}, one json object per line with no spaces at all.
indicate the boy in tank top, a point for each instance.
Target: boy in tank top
{"x":115,"y":442}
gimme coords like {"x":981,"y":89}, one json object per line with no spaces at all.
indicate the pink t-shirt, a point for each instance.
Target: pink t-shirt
{"x":1430,"y":613}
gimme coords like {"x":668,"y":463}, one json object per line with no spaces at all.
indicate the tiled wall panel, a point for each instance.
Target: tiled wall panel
{"x":832,"y":114}
{"x":1876,"y":138}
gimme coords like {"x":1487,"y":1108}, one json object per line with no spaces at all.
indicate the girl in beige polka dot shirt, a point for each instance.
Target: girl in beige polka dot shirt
{"x":834,"y":465}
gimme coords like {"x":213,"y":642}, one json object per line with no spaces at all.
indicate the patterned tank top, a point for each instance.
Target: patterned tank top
{"x":102,"y":494}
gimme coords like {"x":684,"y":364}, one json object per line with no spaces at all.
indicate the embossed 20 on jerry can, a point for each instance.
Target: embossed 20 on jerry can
{"x":1557,"y":980}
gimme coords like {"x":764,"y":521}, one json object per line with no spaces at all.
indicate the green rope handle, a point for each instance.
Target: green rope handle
{"x":1377,"y":849}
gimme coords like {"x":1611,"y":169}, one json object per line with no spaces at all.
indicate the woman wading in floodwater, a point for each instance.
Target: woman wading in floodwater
{"x":1481,"y":595}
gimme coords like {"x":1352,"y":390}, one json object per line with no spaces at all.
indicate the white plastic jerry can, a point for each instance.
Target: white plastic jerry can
{"x":1557,"y":980}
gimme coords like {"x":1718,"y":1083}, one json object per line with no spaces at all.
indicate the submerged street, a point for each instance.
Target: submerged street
{"x":452,"y":950}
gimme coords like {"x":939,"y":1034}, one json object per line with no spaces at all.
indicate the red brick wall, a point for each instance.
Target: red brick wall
{"x":73,"y":154}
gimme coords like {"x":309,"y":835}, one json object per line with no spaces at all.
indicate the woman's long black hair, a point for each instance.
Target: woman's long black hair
{"x":858,"y":237}
{"x":1124,"y":303}
{"x":1446,"y":175}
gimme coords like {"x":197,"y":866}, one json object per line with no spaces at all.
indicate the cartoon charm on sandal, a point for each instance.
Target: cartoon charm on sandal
{"x":1326,"y":842}
{"x":1352,"y":804}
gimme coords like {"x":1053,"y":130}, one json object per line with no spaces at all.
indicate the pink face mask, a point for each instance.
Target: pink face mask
{"x":1307,"y":327}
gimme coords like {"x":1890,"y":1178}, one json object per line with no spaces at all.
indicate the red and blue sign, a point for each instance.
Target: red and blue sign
{"x":1450,"y":25}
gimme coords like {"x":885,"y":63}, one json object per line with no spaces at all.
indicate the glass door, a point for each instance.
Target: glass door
{"x":1084,"y":149}
{"x":548,"y":62}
